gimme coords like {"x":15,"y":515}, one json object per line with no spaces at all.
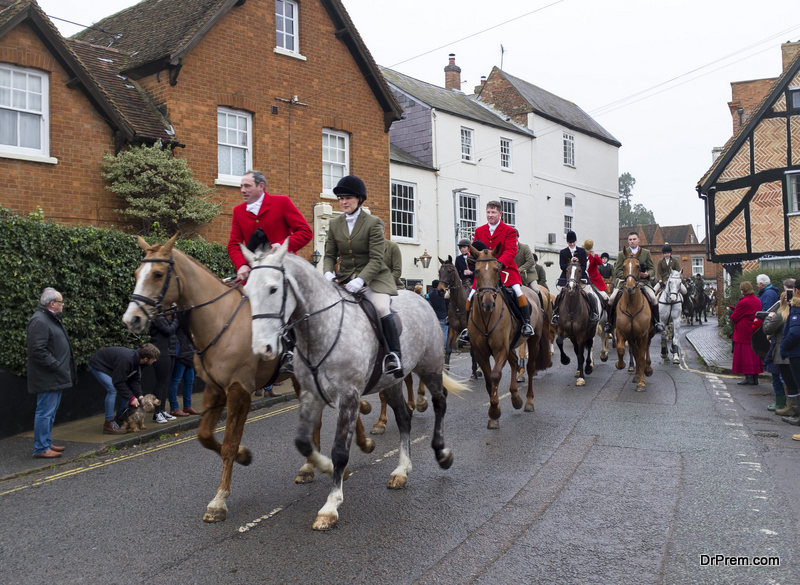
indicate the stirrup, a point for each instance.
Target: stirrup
{"x":607,"y":328}
{"x":287,"y":363}
{"x":527,"y":330}
{"x":554,"y":320}
{"x":392,"y":365}
{"x":463,"y":337}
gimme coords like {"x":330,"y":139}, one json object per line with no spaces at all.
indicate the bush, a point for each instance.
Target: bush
{"x":92,"y":268}
{"x":733,"y":295}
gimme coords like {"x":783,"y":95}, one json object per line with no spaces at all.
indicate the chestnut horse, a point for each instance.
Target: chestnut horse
{"x":492,"y":329}
{"x":633,"y":323}
{"x":450,"y":287}
{"x":221,"y":329}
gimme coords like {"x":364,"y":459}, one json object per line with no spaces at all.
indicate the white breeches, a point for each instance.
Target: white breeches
{"x":380,"y":300}
{"x":516,"y":287}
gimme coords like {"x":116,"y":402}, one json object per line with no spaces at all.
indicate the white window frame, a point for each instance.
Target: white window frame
{"x":8,"y":97}
{"x":793,"y":192}
{"x":329,"y":179}
{"x":698,"y":265}
{"x":508,"y":212}
{"x":467,"y":145}
{"x":403,"y":212}
{"x":281,"y":18}
{"x":467,"y":215}
{"x":569,"y":212}
{"x":569,"y":149}
{"x":505,"y":154}
{"x":228,"y":178}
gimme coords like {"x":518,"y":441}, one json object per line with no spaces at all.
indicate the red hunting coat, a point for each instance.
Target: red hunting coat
{"x":504,"y":234}
{"x":594,"y":274}
{"x":278,"y":217}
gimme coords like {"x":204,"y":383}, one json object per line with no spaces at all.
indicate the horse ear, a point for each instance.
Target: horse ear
{"x":474,"y":251}
{"x":248,"y":255}
{"x":170,"y":243}
{"x":449,"y":259}
{"x":442,"y":261}
{"x":496,"y":251}
{"x":142,"y":244}
{"x":681,"y":270}
{"x":282,"y":251}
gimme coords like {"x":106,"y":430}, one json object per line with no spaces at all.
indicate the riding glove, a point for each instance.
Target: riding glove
{"x":330,"y":275}
{"x":355,"y":285}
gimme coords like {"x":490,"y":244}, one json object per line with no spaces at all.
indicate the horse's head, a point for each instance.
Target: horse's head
{"x":448,"y":276}
{"x":487,"y":275}
{"x":157,"y":285}
{"x":630,"y":270}
{"x":573,"y":274}
{"x":271,"y":299}
{"x":672,"y":290}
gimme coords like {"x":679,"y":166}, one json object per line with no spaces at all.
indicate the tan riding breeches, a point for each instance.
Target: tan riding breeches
{"x":380,"y":300}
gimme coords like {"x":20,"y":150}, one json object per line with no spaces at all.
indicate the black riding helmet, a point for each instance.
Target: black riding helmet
{"x":351,"y":185}
{"x":605,"y":255}
{"x":463,"y":242}
{"x":571,"y":237}
{"x":666,"y":248}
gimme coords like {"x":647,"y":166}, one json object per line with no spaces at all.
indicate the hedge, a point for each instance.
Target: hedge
{"x":92,"y":268}
{"x":733,"y":295}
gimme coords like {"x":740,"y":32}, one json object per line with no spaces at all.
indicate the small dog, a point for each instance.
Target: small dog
{"x":134,"y":420}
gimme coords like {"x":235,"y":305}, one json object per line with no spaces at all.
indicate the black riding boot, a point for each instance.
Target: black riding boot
{"x":287,"y":357}
{"x":526,"y":330}
{"x":556,"y":304}
{"x":463,"y":337}
{"x":612,"y":317}
{"x":656,"y":319}
{"x":392,"y":363}
{"x":594,"y":317}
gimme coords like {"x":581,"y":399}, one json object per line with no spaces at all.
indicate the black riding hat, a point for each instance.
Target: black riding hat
{"x":605,"y":255}
{"x":571,"y":237}
{"x":463,"y":242}
{"x":666,"y":248}
{"x":351,"y":185}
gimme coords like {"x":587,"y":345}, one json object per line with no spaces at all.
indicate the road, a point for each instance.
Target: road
{"x":601,"y":484}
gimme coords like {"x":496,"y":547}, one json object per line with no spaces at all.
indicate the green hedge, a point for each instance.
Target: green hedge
{"x":733,"y":295}
{"x":92,"y":268}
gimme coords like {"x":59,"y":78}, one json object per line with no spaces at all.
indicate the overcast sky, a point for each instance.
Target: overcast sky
{"x":655,"y":75}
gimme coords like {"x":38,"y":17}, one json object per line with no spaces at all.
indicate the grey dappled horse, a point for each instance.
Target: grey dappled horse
{"x":334,"y":357}
{"x":669,"y":313}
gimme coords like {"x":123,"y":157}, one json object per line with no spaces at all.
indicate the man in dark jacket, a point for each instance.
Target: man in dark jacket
{"x":767,"y":293}
{"x":439,"y":307}
{"x":119,"y":370}
{"x":51,"y":369}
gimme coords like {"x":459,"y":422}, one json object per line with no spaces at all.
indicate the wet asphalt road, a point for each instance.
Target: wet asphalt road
{"x":601,"y":484}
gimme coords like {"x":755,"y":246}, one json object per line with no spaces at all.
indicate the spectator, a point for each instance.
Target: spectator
{"x":790,"y":349}
{"x":183,"y":370}
{"x":418,"y":289}
{"x":745,"y":360}
{"x":162,"y":335}
{"x":767,"y":293}
{"x":51,"y":369}
{"x":773,"y":328}
{"x":119,"y":371}
{"x":439,"y":307}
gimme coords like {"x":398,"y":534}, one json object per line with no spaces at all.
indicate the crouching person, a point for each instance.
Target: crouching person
{"x":119,"y":371}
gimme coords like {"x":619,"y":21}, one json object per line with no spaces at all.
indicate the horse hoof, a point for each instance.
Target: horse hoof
{"x":516,"y":401}
{"x":564,"y":360}
{"x":577,"y":373}
{"x":397,"y":482}
{"x":378,"y":429}
{"x":588,"y":369}
{"x":422,"y":404}
{"x":529,"y":407}
{"x":493,"y":424}
{"x":215,"y":515}
{"x":364,"y":407}
{"x":664,"y":354}
{"x":244,"y":456}
{"x":445,"y":458}
{"x":648,"y":371}
{"x":640,"y":387}
{"x":324,"y":522}
{"x":676,"y":360}
{"x":304,"y":477}
{"x":580,"y":382}
{"x":369,"y":446}
{"x":603,"y":359}
{"x":620,"y":365}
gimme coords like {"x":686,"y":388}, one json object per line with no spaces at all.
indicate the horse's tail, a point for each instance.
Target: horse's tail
{"x":543,"y":358}
{"x":453,"y":385}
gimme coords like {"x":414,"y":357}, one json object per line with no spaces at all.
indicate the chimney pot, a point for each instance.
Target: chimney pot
{"x":452,"y":74}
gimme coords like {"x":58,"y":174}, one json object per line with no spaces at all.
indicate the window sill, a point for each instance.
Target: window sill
{"x":330,"y":196}
{"x":469,"y":162}
{"x":793,"y":214}
{"x":228,"y":182}
{"x":30,"y":157}
{"x":506,"y":170}
{"x":287,"y":53}
{"x":398,"y":240}
{"x":570,"y":166}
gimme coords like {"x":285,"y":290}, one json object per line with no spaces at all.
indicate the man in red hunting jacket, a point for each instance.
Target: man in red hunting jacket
{"x":492,"y":234}
{"x":275,"y":215}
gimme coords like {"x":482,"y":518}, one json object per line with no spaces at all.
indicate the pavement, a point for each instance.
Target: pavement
{"x":84,"y":438}
{"x":709,"y":343}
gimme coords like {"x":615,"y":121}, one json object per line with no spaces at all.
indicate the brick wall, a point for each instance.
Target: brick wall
{"x":747,"y":95}
{"x":498,"y":93}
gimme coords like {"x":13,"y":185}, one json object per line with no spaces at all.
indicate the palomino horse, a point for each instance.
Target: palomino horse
{"x":669,"y":313}
{"x":220,"y":328}
{"x":700,"y":301}
{"x":633,"y":323}
{"x":494,"y":332}
{"x":335,"y":355}
{"x":573,"y":322}
{"x":451,"y":287}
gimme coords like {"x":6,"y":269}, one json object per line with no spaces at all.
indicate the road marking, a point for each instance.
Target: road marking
{"x":393,"y":452}
{"x":139,"y":453}
{"x":255,"y":522}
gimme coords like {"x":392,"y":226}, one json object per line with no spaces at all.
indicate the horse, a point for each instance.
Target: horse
{"x":335,"y":353}
{"x":450,"y":287}
{"x":669,"y":313}
{"x":700,"y":304}
{"x":688,"y":309}
{"x":220,"y":332}
{"x":711,"y":295}
{"x":421,"y":405}
{"x":494,"y":332}
{"x":633,"y":323}
{"x":573,"y":322}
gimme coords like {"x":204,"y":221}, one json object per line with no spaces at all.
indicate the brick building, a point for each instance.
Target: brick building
{"x":284,"y":87}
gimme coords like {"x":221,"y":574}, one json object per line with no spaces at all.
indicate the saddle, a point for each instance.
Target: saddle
{"x":374,"y":319}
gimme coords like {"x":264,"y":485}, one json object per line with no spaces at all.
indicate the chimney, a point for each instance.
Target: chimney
{"x":478,"y":88}
{"x":452,"y":74}
{"x":789,"y":51}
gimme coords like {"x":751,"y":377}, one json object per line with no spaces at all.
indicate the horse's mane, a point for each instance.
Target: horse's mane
{"x":157,"y":248}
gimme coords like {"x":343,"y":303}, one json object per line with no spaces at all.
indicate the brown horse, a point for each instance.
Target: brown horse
{"x":421,"y":405}
{"x":634,"y":323}
{"x":450,"y":286}
{"x":548,"y":300}
{"x":492,"y":329}
{"x":574,"y":323}
{"x":221,"y":331}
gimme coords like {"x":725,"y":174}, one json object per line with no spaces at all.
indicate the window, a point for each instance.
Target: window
{"x":509,"y":209}
{"x":793,"y":191}
{"x":335,"y":158}
{"x":467,"y":215}
{"x":286,"y":25}
{"x":569,"y":212}
{"x":794,"y":98}
{"x":569,"y":149}
{"x":404,"y":211}
{"x":697,"y":265}
{"x":24,"y":124}
{"x":505,"y":154}
{"x":234,"y":143}
{"x":466,"y":145}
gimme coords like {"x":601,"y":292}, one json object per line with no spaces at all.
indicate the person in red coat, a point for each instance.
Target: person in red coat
{"x":495,"y":233}
{"x":745,"y":360}
{"x":275,"y":215}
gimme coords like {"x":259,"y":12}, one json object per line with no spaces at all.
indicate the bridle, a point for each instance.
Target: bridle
{"x":493,"y":290}
{"x":668,"y":293}
{"x":636,"y":279}
{"x":158,"y":303}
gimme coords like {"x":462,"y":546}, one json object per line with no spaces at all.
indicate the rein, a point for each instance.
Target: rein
{"x":157,"y":304}
{"x":494,"y":290}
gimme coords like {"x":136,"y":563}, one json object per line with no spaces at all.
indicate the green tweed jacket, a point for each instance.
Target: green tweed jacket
{"x":541,"y":276}
{"x":360,"y":254}
{"x":394,"y":262}
{"x":524,"y":261}
{"x":663,"y":268}
{"x":645,"y":259}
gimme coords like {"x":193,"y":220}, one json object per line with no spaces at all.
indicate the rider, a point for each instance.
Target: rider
{"x":605,"y":269}
{"x":541,"y":275}
{"x":394,"y":262}
{"x":525,"y":262}
{"x":465,"y":265}
{"x":593,"y":270}
{"x":356,"y":240}
{"x":664,"y":268}
{"x":495,"y":233}
{"x":645,"y":260}
{"x":264,"y":219}
{"x":564,"y":258}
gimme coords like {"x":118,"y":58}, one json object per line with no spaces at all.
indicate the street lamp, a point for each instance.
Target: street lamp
{"x":315,"y":258}
{"x":425,"y":259}
{"x":455,"y":210}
